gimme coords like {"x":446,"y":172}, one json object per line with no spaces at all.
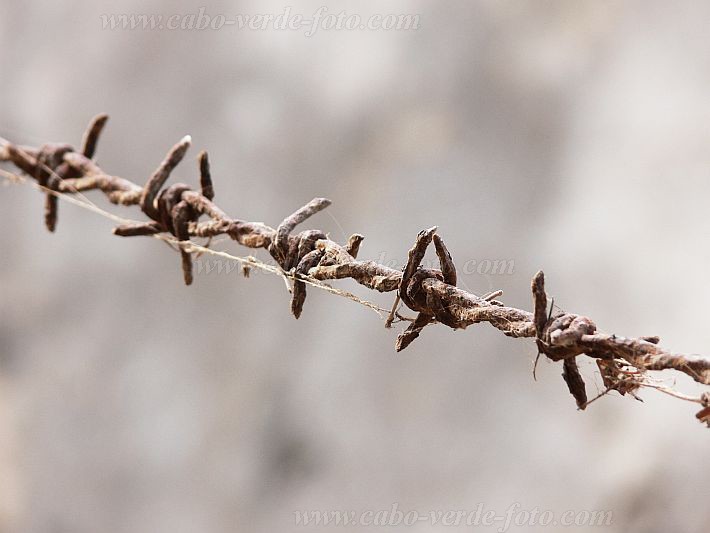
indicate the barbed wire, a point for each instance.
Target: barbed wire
{"x":177,"y":214}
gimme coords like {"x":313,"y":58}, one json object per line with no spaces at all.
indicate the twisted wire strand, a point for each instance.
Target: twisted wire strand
{"x":177,"y":213}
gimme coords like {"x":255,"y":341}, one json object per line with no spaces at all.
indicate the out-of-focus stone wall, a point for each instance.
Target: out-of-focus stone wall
{"x":569,"y":136}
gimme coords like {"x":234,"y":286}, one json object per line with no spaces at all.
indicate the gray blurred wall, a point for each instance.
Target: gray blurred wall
{"x":569,"y":136}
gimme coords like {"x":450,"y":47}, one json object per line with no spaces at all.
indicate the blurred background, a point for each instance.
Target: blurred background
{"x":568,"y":136}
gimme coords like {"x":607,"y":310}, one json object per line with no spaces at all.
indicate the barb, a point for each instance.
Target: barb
{"x":177,"y":214}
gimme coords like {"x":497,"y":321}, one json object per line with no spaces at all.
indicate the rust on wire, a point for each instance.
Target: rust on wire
{"x":310,"y":257}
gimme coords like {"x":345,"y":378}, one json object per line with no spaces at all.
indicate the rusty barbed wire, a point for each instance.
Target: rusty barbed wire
{"x":310,"y":257}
